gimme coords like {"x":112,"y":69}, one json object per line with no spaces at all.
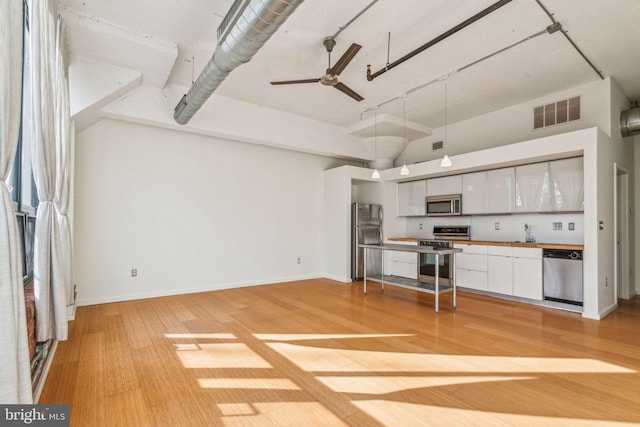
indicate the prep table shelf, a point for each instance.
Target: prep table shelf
{"x":431,"y":288}
{"x":404,"y":282}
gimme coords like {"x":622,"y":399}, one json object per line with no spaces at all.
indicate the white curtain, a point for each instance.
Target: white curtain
{"x":15,"y":372}
{"x":51,"y":280}
{"x":64,"y":132}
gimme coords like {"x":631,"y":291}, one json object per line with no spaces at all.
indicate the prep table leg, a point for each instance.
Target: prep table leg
{"x":437,"y":277}
{"x":364,"y":254}
{"x":453,"y":278}
{"x":382,"y":271}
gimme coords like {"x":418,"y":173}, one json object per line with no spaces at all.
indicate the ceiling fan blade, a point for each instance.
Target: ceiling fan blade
{"x":292,"y":82}
{"x":347,"y":90}
{"x":344,"y":60}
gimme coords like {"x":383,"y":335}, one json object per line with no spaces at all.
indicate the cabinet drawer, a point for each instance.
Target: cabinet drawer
{"x":410,"y":257}
{"x":471,"y":279}
{"x":500,"y":250}
{"x":535,"y":253}
{"x":475,"y":262}
{"x":404,"y":269}
{"x":471,"y":249}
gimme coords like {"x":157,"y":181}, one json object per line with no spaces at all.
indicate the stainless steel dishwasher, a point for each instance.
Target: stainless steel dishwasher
{"x":562,"y":276}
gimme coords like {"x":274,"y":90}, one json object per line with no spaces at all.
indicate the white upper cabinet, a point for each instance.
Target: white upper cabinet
{"x":533,"y":190}
{"x":567,"y":184}
{"x":474,"y":193}
{"x":501,"y":190}
{"x":444,"y":185}
{"x":411,"y":197}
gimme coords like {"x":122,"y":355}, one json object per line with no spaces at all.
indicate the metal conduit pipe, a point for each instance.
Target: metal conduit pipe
{"x":630,"y":122}
{"x":259,"y":20}
{"x":446,"y":34}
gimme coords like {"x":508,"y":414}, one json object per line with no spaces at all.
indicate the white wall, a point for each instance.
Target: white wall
{"x":343,"y":186}
{"x":514,"y":124}
{"x":191,"y":213}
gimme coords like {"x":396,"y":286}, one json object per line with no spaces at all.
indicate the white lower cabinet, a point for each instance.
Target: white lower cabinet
{"x":527,"y":273}
{"x":403,"y":264}
{"x":471,"y":267}
{"x":500,"y":269}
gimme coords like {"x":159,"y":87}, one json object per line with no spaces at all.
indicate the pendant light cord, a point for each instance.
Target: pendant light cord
{"x":375,"y":135}
{"x":404,"y":130}
{"x":446,"y":140}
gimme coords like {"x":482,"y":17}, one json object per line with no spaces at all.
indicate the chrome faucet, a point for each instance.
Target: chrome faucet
{"x":528,"y":234}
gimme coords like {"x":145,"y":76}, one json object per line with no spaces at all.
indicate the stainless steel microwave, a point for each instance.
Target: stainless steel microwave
{"x":444,"y":205}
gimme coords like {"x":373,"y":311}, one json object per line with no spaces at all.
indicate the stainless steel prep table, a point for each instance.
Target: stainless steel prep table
{"x":430,"y":288}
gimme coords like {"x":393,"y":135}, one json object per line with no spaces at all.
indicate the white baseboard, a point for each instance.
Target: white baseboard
{"x":601,"y":315}
{"x":338,"y":278}
{"x":166,"y":293}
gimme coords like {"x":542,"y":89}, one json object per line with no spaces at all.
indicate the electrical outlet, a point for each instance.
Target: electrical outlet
{"x":299,"y":260}
{"x":496,"y":225}
{"x":557,"y":226}
{"x":134,"y":272}
{"x":572,"y":226}
{"x":420,"y":226}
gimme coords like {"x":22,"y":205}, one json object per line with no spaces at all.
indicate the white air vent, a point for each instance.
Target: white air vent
{"x":557,"y":113}
{"x":437,"y":146}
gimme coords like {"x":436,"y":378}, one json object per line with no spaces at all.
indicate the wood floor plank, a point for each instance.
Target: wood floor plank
{"x":319,"y":352}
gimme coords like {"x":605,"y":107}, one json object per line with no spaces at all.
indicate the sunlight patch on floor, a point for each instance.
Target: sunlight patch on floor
{"x":249,"y":383}
{"x":412,"y":414}
{"x":315,"y":359}
{"x":297,"y":414}
{"x":221,"y":355}
{"x":385,"y":384}
{"x":302,"y":337}
{"x":202,"y":336}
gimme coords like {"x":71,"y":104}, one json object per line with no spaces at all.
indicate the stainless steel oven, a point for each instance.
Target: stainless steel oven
{"x":443,"y":237}
{"x":427,"y":267}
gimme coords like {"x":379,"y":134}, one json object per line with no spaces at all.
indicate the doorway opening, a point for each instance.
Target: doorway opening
{"x":622,"y":270}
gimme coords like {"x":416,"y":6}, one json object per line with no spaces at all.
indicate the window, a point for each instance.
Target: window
{"x":21,"y":182}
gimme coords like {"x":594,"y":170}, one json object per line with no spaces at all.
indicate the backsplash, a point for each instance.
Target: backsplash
{"x":511,"y":227}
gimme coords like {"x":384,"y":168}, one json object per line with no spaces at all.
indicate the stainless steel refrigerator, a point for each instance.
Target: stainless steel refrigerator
{"x":366,"y":228}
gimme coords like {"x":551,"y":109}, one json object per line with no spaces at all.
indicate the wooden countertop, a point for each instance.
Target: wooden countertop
{"x":490,"y":243}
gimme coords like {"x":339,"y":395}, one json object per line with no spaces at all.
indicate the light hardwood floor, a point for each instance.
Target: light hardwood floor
{"x":319,"y":352}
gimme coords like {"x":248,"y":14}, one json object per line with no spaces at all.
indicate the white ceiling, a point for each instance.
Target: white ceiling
{"x":170,"y":41}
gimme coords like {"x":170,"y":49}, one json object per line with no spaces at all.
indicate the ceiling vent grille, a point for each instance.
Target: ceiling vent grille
{"x":437,"y":146}
{"x":567,"y":110}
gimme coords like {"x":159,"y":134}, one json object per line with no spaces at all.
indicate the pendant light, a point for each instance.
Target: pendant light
{"x":375,"y":174}
{"x":405,"y":169}
{"x":446,"y":161}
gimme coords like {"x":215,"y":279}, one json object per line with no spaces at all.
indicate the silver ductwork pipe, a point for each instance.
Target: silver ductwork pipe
{"x":630,"y":122}
{"x":258,"y":20}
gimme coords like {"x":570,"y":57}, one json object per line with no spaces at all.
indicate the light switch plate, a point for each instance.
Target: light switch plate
{"x":572,"y":226}
{"x":557,"y":226}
